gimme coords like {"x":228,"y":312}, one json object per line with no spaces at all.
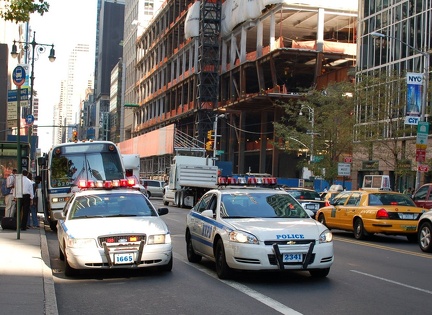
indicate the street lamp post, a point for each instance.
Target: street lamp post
{"x":40,"y":49}
{"x":312,"y":121}
{"x":425,"y":55}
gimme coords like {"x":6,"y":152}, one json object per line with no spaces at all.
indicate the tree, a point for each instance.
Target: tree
{"x":20,"y":10}
{"x":333,"y":121}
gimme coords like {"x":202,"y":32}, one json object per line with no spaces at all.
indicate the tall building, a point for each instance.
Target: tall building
{"x":67,"y":113}
{"x":199,"y":60}
{"x":395,"y":41}
{"x":109,"y":37}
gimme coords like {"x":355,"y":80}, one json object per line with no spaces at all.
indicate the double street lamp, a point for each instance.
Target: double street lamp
{"x":312,"y":132}
{"x":426,"y":57}
{"x":37,"y":48}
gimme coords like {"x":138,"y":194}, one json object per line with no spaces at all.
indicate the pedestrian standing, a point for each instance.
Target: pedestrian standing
{"x":34,"y":207}
{"x":10,"y":198}
{"x":27,"y":199}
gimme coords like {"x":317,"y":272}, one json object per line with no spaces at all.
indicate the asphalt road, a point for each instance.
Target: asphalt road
{"x":386,"y":275}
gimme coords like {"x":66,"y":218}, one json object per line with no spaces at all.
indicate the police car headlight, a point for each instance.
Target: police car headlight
{"x":242,"y":237}
{"x":81,"y":242}
{"x":159,"y":239}
{"x":326,"y":236}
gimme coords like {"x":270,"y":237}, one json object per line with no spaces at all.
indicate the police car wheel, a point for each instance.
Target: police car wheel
{"x":61,"y":255}
{"x":319,"y":273}
{"x":222,"y":269}
{"x":191,"y":255}
{"x":167,"y":267}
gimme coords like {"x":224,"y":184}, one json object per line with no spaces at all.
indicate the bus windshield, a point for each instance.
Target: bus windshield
{"x":68,"y":169}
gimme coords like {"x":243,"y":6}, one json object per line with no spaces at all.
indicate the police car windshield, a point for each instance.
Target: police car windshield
{"x":111,"y":205}
{"x":261,"y":205}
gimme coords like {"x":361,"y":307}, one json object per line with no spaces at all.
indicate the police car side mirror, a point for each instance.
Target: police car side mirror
{"x":207,"y":213}
{"x":162,"y":211}
{"x":58,"y":215}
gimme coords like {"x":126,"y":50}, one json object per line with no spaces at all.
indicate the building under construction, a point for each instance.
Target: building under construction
{"x":223,"y":65}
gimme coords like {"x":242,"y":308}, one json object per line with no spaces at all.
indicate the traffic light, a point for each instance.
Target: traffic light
{"x":209,"y":145}
{"x":210,"y":135}
{"x":74,"y":135}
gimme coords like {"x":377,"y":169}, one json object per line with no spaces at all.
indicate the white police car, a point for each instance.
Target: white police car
{"x":257,"y":229}
{"x":108,"y":224}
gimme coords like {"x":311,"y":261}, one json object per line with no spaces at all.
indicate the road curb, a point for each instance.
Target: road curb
{"x":49,"y":289}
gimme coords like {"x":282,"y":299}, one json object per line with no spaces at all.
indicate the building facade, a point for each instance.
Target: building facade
{"x":394,"y":40}
{"x":199,"y":60}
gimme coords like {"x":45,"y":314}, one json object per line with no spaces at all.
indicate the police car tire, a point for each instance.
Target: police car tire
{"x":222,"y":269}
{"x":61,"y":255}
{"x":319,"y":273}
{"x":69,"y":271}
{"x":191,"y":255}
{"x":167,"y":267}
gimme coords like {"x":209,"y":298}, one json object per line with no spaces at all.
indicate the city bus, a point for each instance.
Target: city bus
{"x":67,"y":163}
{"x":8,"y":161}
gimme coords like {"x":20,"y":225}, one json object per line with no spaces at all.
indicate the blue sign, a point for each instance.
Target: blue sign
{"x":29,"y":119}
{"x":13,"y":95}
{"x":18,"y":76}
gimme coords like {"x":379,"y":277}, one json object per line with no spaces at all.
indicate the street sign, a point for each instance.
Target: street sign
{"x":13,"y":97}
{"x":348,"y":159}
{"x":420,"y":155}
{"x":344,"y":169}
{"x":29,"y":120}
{"x":18,"y":76}
{"x":423,"y":168}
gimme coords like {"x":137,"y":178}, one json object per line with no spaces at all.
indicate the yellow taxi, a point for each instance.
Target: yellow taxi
{"x":369,"y":212}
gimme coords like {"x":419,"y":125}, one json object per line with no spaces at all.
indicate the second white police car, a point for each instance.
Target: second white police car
{"x":108,"y":224}
{"x":257,"y":229}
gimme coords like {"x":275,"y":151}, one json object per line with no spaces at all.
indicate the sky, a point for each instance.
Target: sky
{"x":67,"y":23}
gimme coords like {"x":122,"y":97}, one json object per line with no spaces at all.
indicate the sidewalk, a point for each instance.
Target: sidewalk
{"x":26,"y":281}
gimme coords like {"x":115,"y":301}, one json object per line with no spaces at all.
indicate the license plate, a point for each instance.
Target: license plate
{"x":126,"y":258}
{"x":292,"y":257}
{"x":311,"y":207}
{"x":406,"y":216}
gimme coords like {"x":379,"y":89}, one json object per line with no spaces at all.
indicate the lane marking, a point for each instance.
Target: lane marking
{"x":391,"y":281}
{"x":277,"y":306}
{"x":402,"y":251}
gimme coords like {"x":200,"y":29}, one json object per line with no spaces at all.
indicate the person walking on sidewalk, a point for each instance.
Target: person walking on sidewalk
{"x":27,"y":199}
{"x":10,"y":198}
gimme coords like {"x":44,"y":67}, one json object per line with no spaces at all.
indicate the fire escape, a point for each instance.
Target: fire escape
{"x":208,"y":65}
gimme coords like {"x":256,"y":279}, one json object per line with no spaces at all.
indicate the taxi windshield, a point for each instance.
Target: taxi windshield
{"x":261,"y":205}
{"x":111,"y":205}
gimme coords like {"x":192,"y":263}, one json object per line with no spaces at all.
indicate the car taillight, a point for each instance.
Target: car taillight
{"x":327,"y":203}
{"x":382,"y":214}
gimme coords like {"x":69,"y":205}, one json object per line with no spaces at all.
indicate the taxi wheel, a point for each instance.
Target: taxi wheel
{"x":425,"y":237}
{"x":191,"y":255}
{"x":321,"y":219}
{"x":222,"y":269}
{"x":319,"y":273}
{"x":359,"y":231}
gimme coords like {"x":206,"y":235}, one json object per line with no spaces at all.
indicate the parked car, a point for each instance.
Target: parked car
{"x":112,"y":227}
{"x":423,"y":196}
{"x":308,"y":198}
{"x":257,"y":229}
{"x":424,"y":230}
{"x":155,"y":188}
{"x":369,"y":212}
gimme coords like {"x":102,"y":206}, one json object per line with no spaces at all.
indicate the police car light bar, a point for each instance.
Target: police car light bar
{"x":246,"y":180}
{"x":107,"y":184}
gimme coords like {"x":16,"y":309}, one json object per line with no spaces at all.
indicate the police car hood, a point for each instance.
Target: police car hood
{"x":93,"y":227}
{"x":277,"y":228}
